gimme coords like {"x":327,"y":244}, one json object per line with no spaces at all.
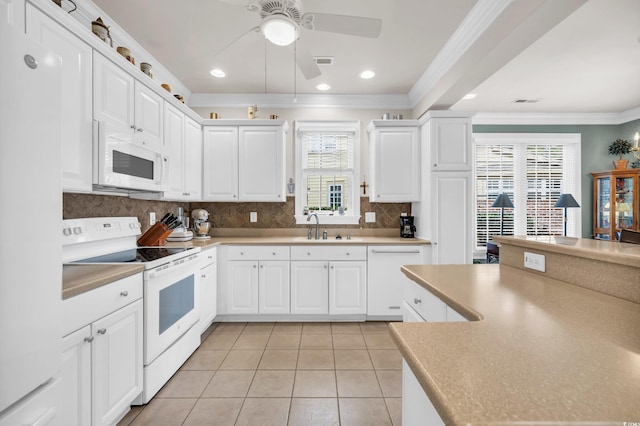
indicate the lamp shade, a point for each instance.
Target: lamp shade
{"x":279,"y":30}
{"x":503,"y":200}
{"x":566,"y":200}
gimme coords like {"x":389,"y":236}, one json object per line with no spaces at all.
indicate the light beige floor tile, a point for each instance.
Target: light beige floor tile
{"x":386,"y":359}
{"x":214,"y":412}
{"x":390,"y":383}
{"x":315,"y":384}
{"x":229,"y":384}
{"x":352,"y":359}
{"x":229,"y":328}
{"x":272,"y":383}
{"x":314,"y":412}
{"x":345,"y":327}
{"x":379,"y":341}
{"x":131,"y":415}
{"x":186,"y":384}
{"x":357,"y":384}
{"x":284,"y":341}
{"x":374,"y":327}
{"x":316,"y":327}
{"x":205,"y":359}
{"x":316,"y":341}
{"x":259,"y":328}
{"x":363,"y":412}
{"x":165,"y":412}
{"x":288,"y":327}
{"x":315,"y":359}
{"x":219,"y":341}
{"x":251,"y":341}
{"x":394,"y":406}
{"x":279,"y":359}
{"x":348,"y":341}
{"x":264,"y":412}
{"x":241,"y":359}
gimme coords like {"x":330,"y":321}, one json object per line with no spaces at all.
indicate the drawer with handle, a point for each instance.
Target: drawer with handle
{"x":425,"y":303}
{"x":329,"y":253}
{"x":258,"y":253}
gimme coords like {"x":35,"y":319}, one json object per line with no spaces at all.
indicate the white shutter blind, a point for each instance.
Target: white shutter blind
{"x":327,"y":169}
{"x":533,"y":175}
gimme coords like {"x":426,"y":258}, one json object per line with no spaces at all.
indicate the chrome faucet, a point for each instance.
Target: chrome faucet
{"x":317,"y":223}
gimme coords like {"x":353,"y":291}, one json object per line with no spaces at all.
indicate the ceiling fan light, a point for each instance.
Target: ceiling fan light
{"x":279,"y":30}
{"x":217,"y":72}
{"x":367,"y":74}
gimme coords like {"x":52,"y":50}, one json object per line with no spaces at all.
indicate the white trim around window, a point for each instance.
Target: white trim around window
{"x":346,"y":171}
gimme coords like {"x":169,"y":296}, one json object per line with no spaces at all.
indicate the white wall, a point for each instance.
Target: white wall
{"x":319,"y":113}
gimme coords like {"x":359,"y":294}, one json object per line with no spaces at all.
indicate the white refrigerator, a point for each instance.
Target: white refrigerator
{"x":30,"y":230}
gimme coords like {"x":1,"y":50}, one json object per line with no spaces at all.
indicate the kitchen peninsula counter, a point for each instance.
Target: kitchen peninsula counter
{"x":536,"y":349}
{"x":78,"y":279}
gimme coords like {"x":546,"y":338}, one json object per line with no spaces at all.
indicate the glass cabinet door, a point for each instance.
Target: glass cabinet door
{"x":624,"y":202}
{"x":603,"y":203}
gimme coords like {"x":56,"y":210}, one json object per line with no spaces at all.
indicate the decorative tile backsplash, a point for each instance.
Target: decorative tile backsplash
{"x":223,"y":215}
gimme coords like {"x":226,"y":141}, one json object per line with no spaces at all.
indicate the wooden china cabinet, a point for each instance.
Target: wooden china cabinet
{"x":615,"y":202}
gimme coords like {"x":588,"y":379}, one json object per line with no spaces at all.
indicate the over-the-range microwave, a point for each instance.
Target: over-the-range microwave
{"x":121,"y":163}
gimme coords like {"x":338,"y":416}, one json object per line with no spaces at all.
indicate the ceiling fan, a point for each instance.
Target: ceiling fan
{"x":283,"y":20}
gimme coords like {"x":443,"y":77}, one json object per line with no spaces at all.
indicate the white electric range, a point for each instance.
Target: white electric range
{"x":171,"y":288}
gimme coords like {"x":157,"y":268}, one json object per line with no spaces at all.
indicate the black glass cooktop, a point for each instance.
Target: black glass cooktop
{"x":136,"y":255}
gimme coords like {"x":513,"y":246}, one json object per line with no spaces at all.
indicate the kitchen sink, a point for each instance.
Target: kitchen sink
{"x":330,"y":240}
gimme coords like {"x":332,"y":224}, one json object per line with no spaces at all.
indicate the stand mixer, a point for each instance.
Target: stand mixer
{"x":200,"y":224}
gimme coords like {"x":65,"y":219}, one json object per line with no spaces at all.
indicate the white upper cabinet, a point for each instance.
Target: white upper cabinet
{"x":174,"y":147}
{"x":394,"y":152}
{"x":244,"y":163}
{"x":450,"y":141}
{"x":220,"y":177}
{"x":261,"y":163}
{"x":192,"y":160}
{"x":76,"y":97}
{"x":124,"y":102}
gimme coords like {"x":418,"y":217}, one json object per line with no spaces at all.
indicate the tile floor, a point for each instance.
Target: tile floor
{"x":283,"y":374}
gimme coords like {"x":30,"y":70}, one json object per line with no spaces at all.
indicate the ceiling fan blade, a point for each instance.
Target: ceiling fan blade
{"x":307,"y":64}
{"x":344,"y":24}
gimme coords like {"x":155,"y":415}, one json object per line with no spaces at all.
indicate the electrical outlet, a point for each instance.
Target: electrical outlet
{"x":152,"y":218}
{"x":253,"y":217}
{"x":534,"y":261}
{"x":370,"y":216}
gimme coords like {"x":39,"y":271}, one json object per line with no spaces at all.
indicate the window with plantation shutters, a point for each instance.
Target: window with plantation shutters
{"x":533,"y":170}
{"x":326,"y":165}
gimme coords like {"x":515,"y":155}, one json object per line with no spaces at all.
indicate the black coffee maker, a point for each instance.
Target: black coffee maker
{"x":407,"y":228}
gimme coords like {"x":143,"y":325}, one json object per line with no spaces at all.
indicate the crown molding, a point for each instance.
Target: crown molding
{"x":228,"y":100}
{"x":472,"y":26}
{"x":610,"y":118}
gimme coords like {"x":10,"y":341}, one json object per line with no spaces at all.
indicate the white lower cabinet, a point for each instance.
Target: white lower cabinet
{"x":417,"y":409}
{"x":309,"y":287}
{"x":273,"y":287}
{"x":208,"y":288}
{"x":384,"y":289}
{"x":102,"y":360}
{"x":242,"y":287}
{"x":348,"y":287}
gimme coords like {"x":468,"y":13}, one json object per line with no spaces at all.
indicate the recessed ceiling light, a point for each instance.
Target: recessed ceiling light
{"x":367,"y":74}
{"x":217,"y":72}
{"x":469,"y":96}
{"x":323,"y":86}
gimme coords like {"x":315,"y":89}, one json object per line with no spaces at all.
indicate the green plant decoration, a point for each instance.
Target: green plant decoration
{"x":620,"y":147}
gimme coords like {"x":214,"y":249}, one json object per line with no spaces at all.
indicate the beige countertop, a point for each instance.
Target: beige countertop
{"x":609,"y":251}
{"x":539,"y":350}
{"x":77,"y":279}
{"x":299,"y":240}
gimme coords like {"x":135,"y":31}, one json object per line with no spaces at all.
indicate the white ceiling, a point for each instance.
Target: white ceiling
{"x":589,"y":62}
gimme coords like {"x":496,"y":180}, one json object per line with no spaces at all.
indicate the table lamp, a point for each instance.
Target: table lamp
{"x":502,"y":201}
{"x":565,"y":201}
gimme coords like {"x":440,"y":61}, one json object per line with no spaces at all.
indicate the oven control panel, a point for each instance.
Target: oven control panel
{"x":98,"y":228}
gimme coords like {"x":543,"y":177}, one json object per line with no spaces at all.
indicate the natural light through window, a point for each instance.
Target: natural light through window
{"x":533,"y":170}
{"x":327,"y":159}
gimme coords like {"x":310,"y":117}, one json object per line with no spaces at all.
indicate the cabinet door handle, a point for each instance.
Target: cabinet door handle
{"x":254,"y":266}
{"x":133,"y":126}
{"x":348,"y":254}
{"x":435,"y":164}
{"x":210,"y":257}
{"x":308,"y":254}
{"x":102,"y":331}
{"x":274,"y":253}
{"x":261,"y":266}
{"x":88,"y":339}
{"x":394,"y":307}
{"x":332,"y":267}
{"x":325,"y":266}
{"x":124,"y":293}
{"x":203,"y":276}
{"x":416,"y":300}
{"x":139,"y":129}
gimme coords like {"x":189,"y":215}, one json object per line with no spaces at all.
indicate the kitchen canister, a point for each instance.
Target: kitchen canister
{"x":146,"y":68}
{"x":251,"y":112}
{"x":214,"y":115}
